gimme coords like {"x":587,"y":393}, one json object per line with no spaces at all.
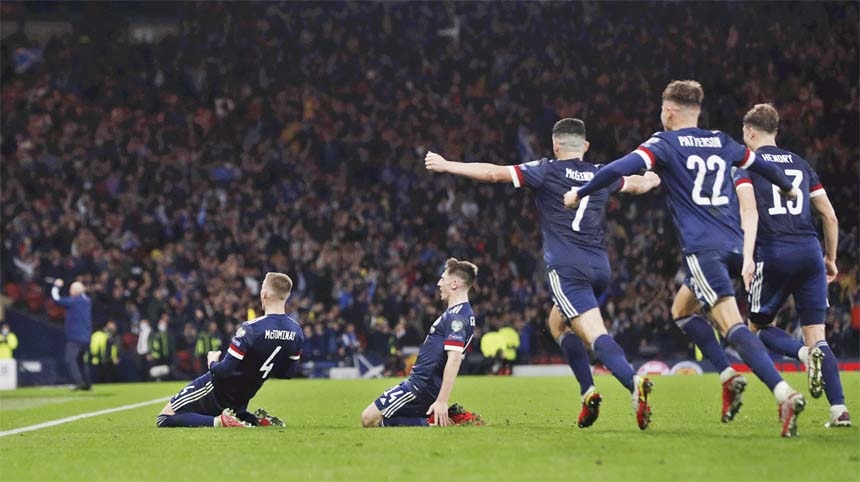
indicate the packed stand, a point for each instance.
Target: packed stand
{"x":289,"y":137}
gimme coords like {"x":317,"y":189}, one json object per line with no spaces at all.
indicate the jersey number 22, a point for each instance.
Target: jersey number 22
{"x":702,"y":167}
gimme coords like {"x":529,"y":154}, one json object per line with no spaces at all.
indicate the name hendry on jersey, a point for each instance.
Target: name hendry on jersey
{"x":780,"y":158}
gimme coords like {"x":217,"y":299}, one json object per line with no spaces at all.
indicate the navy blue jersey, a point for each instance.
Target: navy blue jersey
{"x":782,"y":221}
{"x":451,"y":331}
{"x":694,"y":165}
{"x":570,"y":236}
{"x":264,"y":348}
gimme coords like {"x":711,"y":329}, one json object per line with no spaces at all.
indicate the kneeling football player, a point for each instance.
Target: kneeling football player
{"x":268,"y":345}
{"x":422,"y":399}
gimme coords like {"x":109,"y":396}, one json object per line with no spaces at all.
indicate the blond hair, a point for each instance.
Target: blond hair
{"x":278,"y":284}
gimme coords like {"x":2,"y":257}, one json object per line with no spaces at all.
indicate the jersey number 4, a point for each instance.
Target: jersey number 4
{"x":703,"y":167}
{"x":268,"y":364}
{"x":794,"y":207}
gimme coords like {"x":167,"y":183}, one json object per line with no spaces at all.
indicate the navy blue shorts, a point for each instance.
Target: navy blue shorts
{"x":778,"y":275}
{"x":575,"y":289}
{"x":403,"y":400}
{"x":197,"y":397}
{"x":711,"y":274}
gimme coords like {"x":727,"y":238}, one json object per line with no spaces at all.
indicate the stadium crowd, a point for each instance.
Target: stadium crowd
{"x":289,"y":137}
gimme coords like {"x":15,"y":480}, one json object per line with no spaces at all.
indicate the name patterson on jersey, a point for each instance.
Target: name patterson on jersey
{"x":692,"y":141}
{"x":280,"y":335}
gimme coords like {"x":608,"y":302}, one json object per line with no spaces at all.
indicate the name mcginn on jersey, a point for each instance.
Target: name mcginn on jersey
{"x":578,"y":175}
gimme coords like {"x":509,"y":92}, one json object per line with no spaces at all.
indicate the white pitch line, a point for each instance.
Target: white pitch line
{"x":61,"y":421}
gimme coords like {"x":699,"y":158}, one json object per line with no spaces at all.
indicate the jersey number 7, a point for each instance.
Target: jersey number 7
{"x":580,"y":212}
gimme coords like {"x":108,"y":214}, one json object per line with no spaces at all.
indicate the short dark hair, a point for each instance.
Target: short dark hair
{"x":685,"y":92}
{"x":763,"y":117}
{"x":464,"y":270}
{"x":569,"y":126}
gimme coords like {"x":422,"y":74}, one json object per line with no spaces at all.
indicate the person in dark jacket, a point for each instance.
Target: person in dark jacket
{"x":78,"y":325}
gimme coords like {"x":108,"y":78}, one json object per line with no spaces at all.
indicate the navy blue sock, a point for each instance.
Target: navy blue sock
{"x":754,"y":354}
{"x":700,"y":331}
{"x":830,"y":373}
{"x":187,"y":419}
{"x":577,"y":357}
{"x":778,"y":341}
{"x":404,"y":422}
{"x":612,"y":356}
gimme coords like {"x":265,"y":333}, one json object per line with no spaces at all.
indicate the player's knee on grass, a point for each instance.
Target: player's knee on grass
{"x":371,"y":416}
{"x":167,"y":410}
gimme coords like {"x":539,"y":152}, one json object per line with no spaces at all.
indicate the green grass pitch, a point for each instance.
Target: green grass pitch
{"x":532,"y":436}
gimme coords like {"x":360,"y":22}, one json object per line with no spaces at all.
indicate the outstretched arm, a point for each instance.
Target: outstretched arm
{"x":627,"y":165}
{"x":439,"y":409}
{"x":55,"y":294}
{"x":479,"y":171}
{"x":770,"y":172}
{"x":640,"y":184}
{"x":830,"y":225}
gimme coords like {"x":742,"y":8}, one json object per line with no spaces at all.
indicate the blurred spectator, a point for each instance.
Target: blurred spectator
{"x":295,"y":147}
{"x":493,"y":345}
{"x":381,"y":344}
{"x":104,"y":353}
{"x":525,"y":349}
{"x":349,"y":344}
{"x":78,"y":325}
{"x":209,"y":339}
{"x":161,"y":351}
{"x":8,"y":342}
{"x":144,"y":345}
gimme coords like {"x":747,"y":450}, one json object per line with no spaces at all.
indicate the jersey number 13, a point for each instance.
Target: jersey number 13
{"x":794,"y":207}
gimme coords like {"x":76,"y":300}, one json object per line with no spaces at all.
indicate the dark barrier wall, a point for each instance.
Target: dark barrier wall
{"x":38,"y":340}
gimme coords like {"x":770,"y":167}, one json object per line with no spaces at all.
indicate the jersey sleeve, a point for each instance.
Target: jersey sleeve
{"x":815,"y":187}
{"x":300,"y":343}
{"x":529,"y":174}
{"x":738,"y":154}
{"x":241,"y":342}
{"x":741,"y":177}
{"x":616,"y":185}
{"x":458,"y":330}
{"x":651,"y":151}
